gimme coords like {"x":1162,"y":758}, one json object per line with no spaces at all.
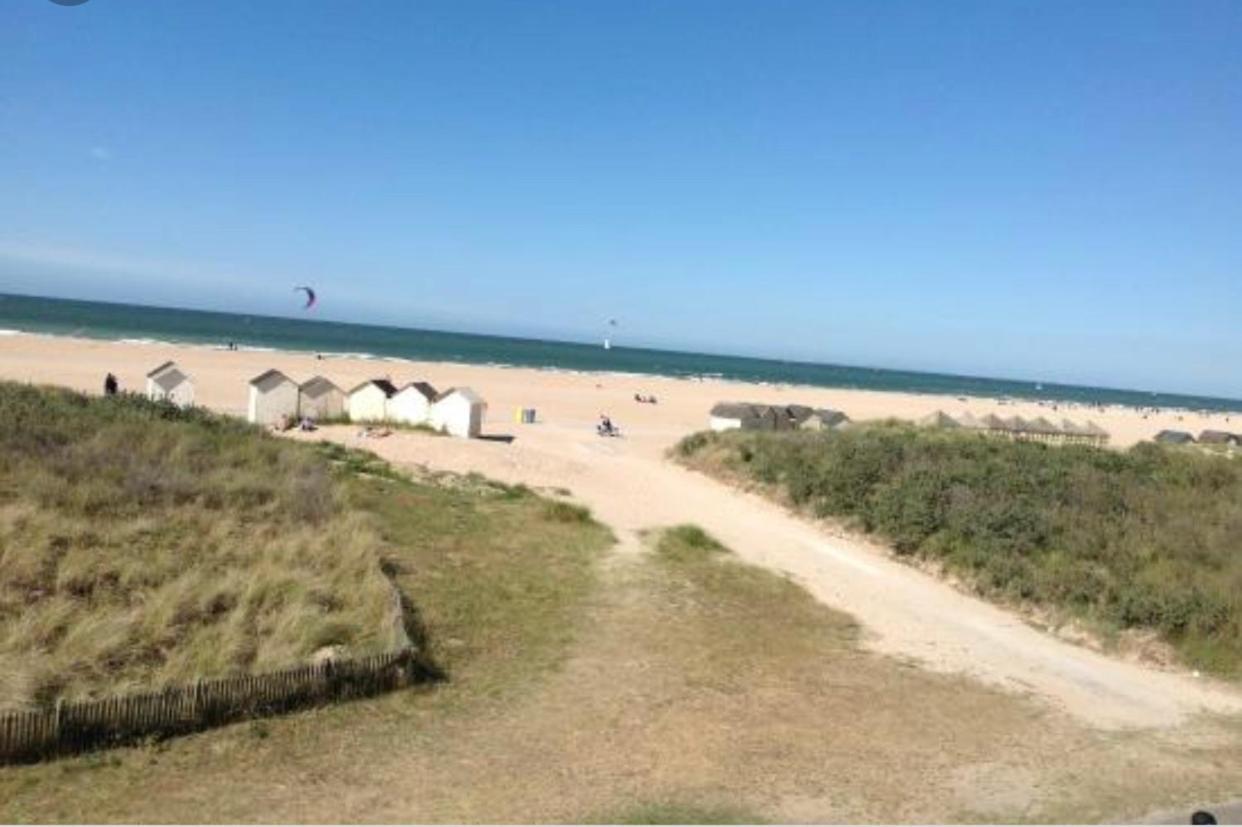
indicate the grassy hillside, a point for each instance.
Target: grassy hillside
{"x":1150,"y":538}
{"x":142,"y":545}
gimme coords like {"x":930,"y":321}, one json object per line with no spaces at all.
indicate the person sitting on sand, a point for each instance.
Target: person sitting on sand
{"x":605,"y":424}
{"x":1202,"y":817}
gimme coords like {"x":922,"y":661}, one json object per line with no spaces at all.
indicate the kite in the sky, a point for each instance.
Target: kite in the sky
{"x":310,"y":297}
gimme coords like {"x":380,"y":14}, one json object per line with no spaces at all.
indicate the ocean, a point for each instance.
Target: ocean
{"x":98,"y":320}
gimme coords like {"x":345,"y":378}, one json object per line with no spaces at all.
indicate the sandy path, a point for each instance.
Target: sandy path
{"x":905,"y":612}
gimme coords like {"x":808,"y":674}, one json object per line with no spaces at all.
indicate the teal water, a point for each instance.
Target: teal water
{"x":122,"y":321}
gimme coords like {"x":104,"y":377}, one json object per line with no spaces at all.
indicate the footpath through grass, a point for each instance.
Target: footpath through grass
{"x":1146,"y":539}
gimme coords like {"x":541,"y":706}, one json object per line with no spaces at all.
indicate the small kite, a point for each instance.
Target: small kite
{"x":310,"y":296}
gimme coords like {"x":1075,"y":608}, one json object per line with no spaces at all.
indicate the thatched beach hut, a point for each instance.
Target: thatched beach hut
{"x":969,"y":422}
{"x":993,"y":424}
{"x":1096,"y":434}
{"x":938,"y":419}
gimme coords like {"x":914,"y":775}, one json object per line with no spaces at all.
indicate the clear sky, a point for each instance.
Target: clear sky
{"x":1043,"y":190}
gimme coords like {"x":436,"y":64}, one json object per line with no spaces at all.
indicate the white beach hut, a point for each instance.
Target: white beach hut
{"x":169,"y":382}
{"x":412,"y":404}
{"x":320,"y":398}
{"x":369,"y":401}
{"x":273,"y":396}
{"x":459,"y":411}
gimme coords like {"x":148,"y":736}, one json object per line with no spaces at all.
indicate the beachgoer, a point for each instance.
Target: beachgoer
{"x":1202,"y":817}
{"x":110,"y":385}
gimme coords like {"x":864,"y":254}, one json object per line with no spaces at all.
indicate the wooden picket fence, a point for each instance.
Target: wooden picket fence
{"x":74,"y":727}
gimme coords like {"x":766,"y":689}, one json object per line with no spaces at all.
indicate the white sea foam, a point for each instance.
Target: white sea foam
{"x":370,"y":357}
{"x":7,"y":332}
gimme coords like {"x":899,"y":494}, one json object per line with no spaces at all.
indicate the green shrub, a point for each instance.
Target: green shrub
{"x":1149,"y":538}
{"x":563,"y":512}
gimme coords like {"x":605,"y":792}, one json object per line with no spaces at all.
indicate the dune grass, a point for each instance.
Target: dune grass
{"x":142,"y":545}
{"x":1145,"y":539}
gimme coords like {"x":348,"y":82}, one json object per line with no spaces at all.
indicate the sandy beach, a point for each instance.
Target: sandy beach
{"x":562,"y":399}
{"x":631,"y":487}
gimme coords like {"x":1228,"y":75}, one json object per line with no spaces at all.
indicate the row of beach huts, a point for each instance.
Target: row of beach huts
{"x":754,"y":417}
{"x":1215,"y":439}
{"x":1025,"y":430}
{"x":276,"y":399}
{"x":746,"y":416}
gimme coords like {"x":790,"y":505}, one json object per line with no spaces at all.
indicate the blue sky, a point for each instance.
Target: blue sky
{"x":1043,"y":190}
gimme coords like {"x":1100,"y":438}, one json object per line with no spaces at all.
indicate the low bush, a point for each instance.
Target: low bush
{"x":1150,"y":538}
{"x":563,"y":512}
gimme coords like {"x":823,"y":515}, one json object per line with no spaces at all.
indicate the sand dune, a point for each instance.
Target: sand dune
{"x":630,"y":486}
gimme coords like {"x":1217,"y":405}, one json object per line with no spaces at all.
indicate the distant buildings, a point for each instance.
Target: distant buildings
{"x":1022,"y":430}
{"x":1174,"y":438}
{"x":169,"y":383}
{"x":1220,"y":438}
{"x":727,"y":416}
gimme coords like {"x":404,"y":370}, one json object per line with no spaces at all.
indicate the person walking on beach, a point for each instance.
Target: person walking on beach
{"x":110,"y":385}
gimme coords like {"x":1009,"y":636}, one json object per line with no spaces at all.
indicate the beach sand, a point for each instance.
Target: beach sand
{"x":630,"y":486}
{"x":562,"y":399}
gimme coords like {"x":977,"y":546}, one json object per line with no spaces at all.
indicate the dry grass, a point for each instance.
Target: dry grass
{"x":679,"y":685}
{"x":142,"y":546}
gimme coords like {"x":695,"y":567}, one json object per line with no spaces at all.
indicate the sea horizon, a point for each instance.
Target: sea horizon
{"x":116,"y":321}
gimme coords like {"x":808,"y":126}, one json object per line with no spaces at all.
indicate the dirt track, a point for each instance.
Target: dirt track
{"x":905,"y":613}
